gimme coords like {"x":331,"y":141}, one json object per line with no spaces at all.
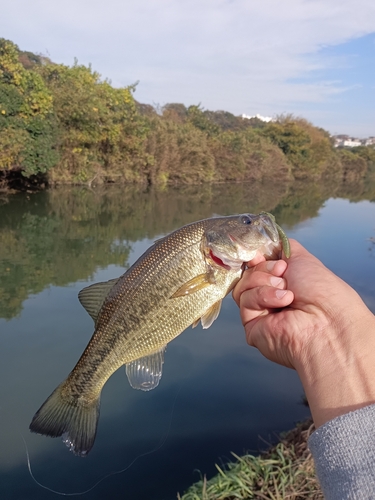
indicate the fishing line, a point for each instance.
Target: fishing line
{"x":113,"y":473}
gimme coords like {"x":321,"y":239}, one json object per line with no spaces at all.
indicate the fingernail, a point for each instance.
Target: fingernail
{"x":271,"y":264}
{"x":280,"y":293}
{"x":275,"y":281}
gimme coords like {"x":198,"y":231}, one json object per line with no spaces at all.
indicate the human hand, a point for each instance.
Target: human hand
{"x":314,"y":322}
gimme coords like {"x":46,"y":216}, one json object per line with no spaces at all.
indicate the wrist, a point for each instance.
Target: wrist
{"x":338,"y":373}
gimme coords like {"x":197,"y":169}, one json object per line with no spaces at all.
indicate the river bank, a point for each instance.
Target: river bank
{"x":286,"y":470}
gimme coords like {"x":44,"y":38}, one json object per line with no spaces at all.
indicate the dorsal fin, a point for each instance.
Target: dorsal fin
{"x":93,"y":296}
{"x":145,"y":373}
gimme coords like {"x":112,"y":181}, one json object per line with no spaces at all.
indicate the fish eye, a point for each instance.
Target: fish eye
{"x":245,"y":219}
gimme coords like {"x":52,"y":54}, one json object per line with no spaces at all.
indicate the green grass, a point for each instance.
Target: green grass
{"x":286,"y":471}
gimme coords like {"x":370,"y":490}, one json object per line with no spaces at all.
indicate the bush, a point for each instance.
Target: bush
{"x":26,"y":130}
{"x":308,"y":148}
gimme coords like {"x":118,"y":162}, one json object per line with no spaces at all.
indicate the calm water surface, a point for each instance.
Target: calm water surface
{"x":217,"y":395}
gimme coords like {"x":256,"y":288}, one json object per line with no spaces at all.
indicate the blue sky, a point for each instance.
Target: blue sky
{"x":312,"y":58}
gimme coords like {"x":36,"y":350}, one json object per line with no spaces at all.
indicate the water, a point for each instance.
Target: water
{"x":217,"y":395}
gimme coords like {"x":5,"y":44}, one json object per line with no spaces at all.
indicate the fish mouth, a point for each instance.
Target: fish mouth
{"x":232,"y":238}
{"x":247,"y":253}
{"x":242,"y":249}
{"x":271,"y":231}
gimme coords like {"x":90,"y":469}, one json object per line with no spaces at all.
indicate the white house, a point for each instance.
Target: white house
{"x":351,"y":143}
{"x":260,"y":117}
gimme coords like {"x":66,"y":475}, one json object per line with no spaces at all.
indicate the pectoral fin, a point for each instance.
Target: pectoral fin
{"x":209,"y":316}
{"x":195,"y":284}
{"x":93,"y":296}
{"x":145,"y":373}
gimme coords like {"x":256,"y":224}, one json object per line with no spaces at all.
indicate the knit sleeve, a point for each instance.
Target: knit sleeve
{"x":344,"y":455}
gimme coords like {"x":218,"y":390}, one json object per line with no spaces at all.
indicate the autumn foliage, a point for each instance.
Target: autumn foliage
{"x":72,"y":126}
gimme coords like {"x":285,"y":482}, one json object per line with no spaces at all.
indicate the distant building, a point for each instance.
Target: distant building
{"x":260,"y":117}
{"x":370,"y":141}
{"x":352,"y":143}
{"x":344,"y":141}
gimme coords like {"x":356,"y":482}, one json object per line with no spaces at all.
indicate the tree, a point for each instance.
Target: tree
{"x":101,"y":133}
{"x":26,"y":116}
{"x":308,"y":148}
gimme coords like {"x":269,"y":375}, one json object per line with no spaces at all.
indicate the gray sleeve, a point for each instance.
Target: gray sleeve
{"x":344,"y":455}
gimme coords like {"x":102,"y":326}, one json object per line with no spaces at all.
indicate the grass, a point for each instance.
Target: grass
{"x":285,"y":471}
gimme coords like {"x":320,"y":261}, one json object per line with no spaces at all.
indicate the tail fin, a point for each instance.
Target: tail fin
{"x":76,"y":420}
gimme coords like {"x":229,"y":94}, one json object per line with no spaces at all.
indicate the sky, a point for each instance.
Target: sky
{"x":311,"y":58}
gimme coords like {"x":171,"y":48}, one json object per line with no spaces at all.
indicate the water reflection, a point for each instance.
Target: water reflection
{"x":60,"y":236}
{"x":216,"y":394}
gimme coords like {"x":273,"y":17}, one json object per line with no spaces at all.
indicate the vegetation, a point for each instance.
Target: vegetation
{"x":61,"y":124}
{"x":60,"y":236}
{"x":284,"y":471}
{"x":27,"y":132}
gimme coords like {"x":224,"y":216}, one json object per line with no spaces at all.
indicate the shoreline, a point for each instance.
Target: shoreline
{"x":285,"y":470}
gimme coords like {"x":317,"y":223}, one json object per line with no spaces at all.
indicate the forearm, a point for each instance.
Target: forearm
{"x":339,"y":374}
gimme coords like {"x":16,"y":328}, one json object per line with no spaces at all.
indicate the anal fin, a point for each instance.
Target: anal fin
{"x":145,"y":373}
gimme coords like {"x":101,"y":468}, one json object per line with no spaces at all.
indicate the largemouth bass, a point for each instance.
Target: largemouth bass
{"x":180,"y":280}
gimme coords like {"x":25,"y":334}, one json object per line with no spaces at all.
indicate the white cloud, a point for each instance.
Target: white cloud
{"x":239,"y":55}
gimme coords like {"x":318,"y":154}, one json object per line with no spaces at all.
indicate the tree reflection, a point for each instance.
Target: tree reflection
{"x":59,"y":236}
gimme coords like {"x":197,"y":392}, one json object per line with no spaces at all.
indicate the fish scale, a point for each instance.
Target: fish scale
{"x":178,"y":281}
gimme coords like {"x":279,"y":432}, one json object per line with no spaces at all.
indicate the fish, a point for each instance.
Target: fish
{"x":178,"y":282}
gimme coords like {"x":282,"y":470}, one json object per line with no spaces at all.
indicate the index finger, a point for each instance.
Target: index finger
{"x":256,"y":260}
{"x":259,"y":275}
